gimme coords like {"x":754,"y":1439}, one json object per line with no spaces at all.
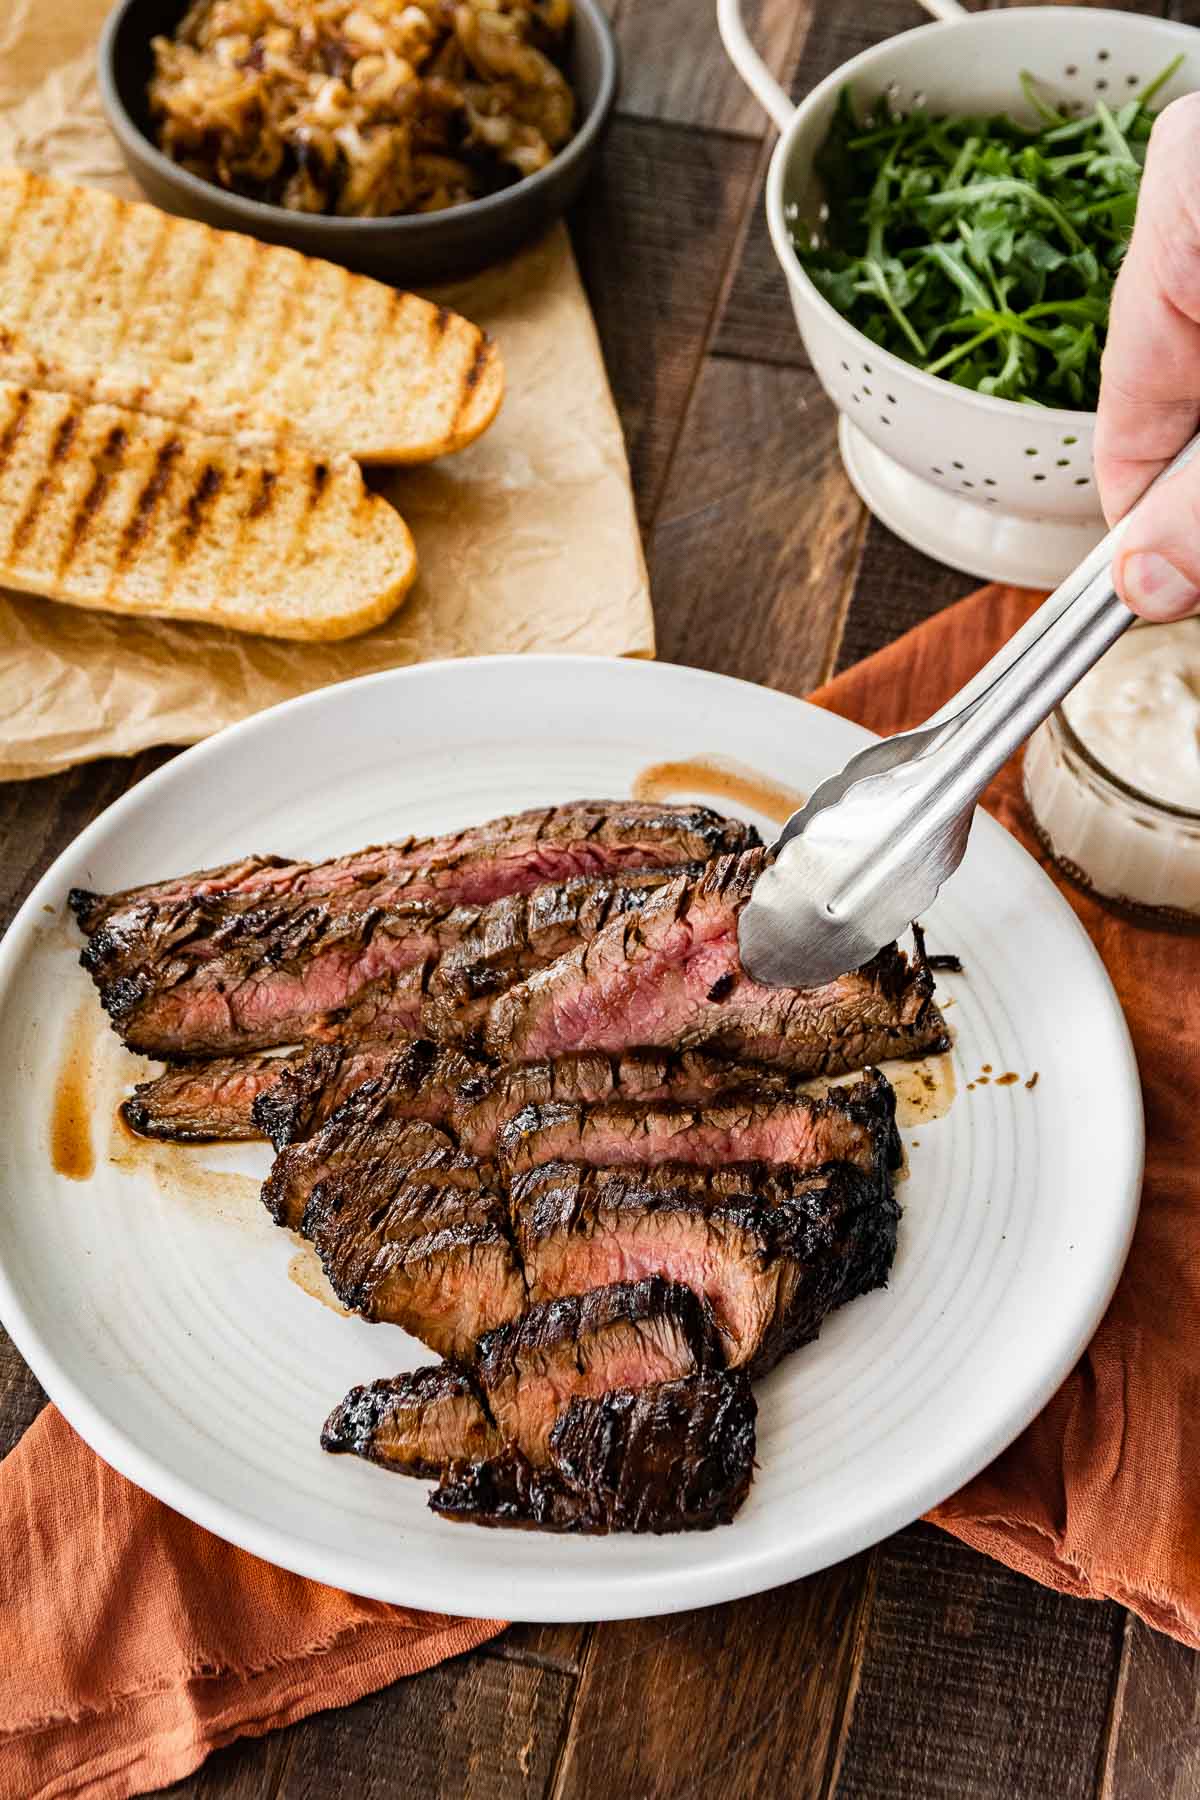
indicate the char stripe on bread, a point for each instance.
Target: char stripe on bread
{"x":236,"y":338}
{"x":120,"y":512}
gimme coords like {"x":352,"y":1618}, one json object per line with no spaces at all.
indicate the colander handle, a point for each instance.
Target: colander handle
{"x":946,"y":10}
{"x":750,"y":65}
{"x":754,"y":71}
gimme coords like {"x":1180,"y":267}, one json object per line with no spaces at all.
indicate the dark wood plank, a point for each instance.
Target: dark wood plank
{"x":653,"y":236}
{"x":732,"y":1702}
{"x":38,"y":819}
{"x":250,"y":1769}
{"x":976,"y":1682}
{"x":561,"y":1647}
{"x":895,"y":588}
{"x":757,"y":319}
{"x":477,"y":1728}
{"x":757,"y":531}
{"x":21,"y":1396}
{"x":1154,"y":1744}
{"x":674,"y":68}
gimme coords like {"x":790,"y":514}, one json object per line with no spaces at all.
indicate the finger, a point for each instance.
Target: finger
{"x":1150,"y":383}
{"x":1158,"y":563}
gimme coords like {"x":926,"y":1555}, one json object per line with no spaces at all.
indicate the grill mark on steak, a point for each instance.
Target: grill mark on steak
{"x":203,"y":1103}
{"x":630,"y":1335}
{"x":855,"y":1124}
{"x":472,"y":1100}
{"x":217,"y":979}
{"x":770,"y":1264}
{"x":282,"y":1098}
{"x":312,"y":1085}
{"x":678,"y":1457}
{"x":649,"y":980}
{"x":418,"y":1236}
{"x":418,"y":1083}
{"x":415,"y":1424}
{"x":507,"y":855}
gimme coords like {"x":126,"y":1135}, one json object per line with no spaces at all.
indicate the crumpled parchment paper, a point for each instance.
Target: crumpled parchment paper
{"x":527,"y":541}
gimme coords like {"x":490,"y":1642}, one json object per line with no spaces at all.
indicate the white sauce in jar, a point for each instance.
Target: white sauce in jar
{"x":1138,"y":711}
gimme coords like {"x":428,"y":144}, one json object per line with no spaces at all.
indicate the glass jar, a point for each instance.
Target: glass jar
{"x":1139,"y":855}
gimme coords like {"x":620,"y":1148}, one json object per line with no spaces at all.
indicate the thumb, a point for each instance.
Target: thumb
{"x":1158,"y":560}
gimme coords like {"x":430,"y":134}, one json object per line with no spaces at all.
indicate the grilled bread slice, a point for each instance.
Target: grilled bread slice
{"x":116,"y":301}
{"x":116,"y":510}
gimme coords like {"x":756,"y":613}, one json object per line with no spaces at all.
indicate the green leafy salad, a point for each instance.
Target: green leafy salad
{"x":981,"y":249}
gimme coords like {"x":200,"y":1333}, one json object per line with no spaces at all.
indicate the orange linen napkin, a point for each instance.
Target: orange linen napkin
{"x":1101,"y":1495}
{"x":132,"y":1642}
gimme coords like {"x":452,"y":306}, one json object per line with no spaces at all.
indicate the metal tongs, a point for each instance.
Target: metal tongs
{"x":868,"y":852}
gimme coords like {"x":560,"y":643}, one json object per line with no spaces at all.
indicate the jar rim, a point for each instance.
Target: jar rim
{"x":1091,"y":761}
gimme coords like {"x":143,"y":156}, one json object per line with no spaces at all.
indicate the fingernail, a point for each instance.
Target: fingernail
{"x":1156,"y":588}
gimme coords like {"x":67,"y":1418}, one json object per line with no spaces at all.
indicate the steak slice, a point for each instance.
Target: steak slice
{"x":448,"y":1088}
{"x":508,"y":855}
{"x":483,"y":1104}
{"x":424,"y":1244}
{"x":415,"y":1424}
{"x":672,"y":976}
{"x":418,"y":1082}
{"x":677,"y":1457}
{"x":311,"y":1085}
{"x":272,"y":973}
{"x":628,"y":1335}
{"x":202,"y":1103}
{"x":769,"y":1266}
{"x":853,"y":1124}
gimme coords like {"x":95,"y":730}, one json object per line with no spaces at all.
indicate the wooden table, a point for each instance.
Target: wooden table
{"x":919,"y":1669}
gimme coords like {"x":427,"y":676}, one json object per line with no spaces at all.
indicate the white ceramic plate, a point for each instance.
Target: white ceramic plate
{"x":153,"y":1299}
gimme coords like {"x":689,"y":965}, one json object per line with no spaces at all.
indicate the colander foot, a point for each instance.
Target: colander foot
{"x":979,"y":540}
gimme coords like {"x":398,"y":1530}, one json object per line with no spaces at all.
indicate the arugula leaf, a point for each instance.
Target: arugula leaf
{"x":982,"y":249}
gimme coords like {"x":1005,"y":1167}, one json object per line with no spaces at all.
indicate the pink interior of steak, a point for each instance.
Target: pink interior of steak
{"x":527,"y":1407}
{"x":713,"y":1259}
{"x":448,"y":1290}
{"x":793,"y":1131}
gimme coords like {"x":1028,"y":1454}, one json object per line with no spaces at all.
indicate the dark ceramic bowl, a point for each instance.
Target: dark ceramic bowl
{"x":413,"y":250}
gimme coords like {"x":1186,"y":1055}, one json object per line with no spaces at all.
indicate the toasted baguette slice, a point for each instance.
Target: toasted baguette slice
{"x":115,"y":301}
{"x":112,"y":509}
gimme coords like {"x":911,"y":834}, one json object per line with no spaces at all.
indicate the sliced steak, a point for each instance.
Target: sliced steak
{"x":483,"y":1104}
{"x":415,"y":1424}
{"x":678,"y":1457}
{"x":311,"y":1085}
{"x":472,"y":1100}
{"x":770,"y":1268}
{"x":417,"y":1083}
{"x":276,"y":972}
{"x":421,"y":1243}
{"x":851,"y":1124}
{"x":509,"y":855}
{"x":671,"y":976}
{"x":629,"y":1335}
{"x":203,"y":1103}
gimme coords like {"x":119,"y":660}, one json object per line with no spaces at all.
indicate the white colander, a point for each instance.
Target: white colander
{"x":996,"y":488}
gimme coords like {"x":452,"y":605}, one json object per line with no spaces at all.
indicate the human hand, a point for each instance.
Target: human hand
{"x":1150,"y":377}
